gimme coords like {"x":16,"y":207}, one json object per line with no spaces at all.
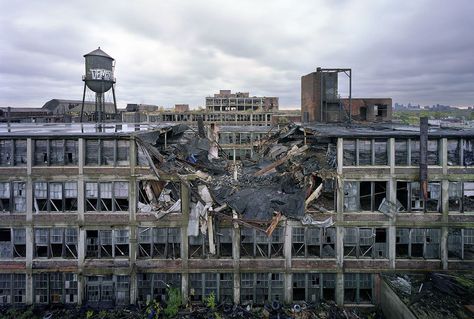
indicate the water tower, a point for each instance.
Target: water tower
{"x":99,"y":78}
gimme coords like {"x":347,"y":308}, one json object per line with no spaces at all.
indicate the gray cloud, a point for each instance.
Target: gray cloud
{"x":171,"y":52}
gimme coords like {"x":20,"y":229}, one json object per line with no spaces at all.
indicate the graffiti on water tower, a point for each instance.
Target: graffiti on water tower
{"x":101,"y":74}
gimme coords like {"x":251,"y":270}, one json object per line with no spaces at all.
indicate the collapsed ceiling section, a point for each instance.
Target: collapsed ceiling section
{"x":285,"y":179}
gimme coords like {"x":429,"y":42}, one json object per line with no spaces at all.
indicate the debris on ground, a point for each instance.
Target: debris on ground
{"x":435,"y":295}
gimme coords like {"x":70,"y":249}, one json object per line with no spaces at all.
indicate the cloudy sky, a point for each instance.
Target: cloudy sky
{"x":167,"y":52}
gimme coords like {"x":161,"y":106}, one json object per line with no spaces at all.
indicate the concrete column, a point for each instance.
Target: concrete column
{"x":29,"y":264}
{"x":444,"y":247}
{"x":29,"y":182}
{"x":29,"y":233}
{"x":340,"y":155}
{"x":339,"y":247}
{"x":133,"y":287}
{"x":185,"y":201}
{"x":287,"y":254}
{"x":443,"y":154}
{"x":391,"y":155}
{"x":340,"y":289}
{"x":29,"y":288}
{"x":392,"y":239}
{"x":236,"y":263}
{"x":81,"y":155}
{"x":80,"y":289}
{"x":81,"y":249}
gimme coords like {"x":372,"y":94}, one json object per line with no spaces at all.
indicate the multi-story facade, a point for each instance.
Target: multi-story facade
{"x":225,"y":101}
{"x":78,"y":223}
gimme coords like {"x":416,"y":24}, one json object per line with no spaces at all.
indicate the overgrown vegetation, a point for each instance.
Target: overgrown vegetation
{"x":174,"y":302}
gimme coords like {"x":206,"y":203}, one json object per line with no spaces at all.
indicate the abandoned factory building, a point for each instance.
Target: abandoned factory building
{"x":116,"y":213}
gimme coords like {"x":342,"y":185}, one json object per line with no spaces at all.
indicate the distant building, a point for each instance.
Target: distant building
{"x":141,"y":107}
{"x":225,"y":101}
{"x":181,"y":108}
{"x":321,"y":102}
{"x":26,"y":115}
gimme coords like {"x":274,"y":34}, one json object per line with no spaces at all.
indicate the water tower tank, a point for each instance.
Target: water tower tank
{"x":99,"y":71}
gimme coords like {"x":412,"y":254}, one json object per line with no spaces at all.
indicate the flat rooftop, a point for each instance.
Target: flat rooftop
{"x":74,"y":129}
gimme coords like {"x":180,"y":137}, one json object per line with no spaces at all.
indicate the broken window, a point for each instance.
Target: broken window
{"x":365,"y":242}
{"x":313,"y":242}
{"x":159,"y":242}
{"x":107,"y":243}
{"x":258,"y":244}
{"x":358,"y":288}
{"x":55,"y":196}
{"x":100,"y":290}
{"x":257,"y":288}
{"x":224,"y":240}
{"x":198,"y":246}
{"x":468,"y":197}
{"x":41,"y":152}
{"x":409,"y":195}
{"x":20,"y":152}
{"x":19,"y":197}
{"x":349,"y":152}
{"x":366,"y":196}
{"x":415,"y":152}
{"x":71,"y":152}
{"x":57,"y":152}
{"x":455,"y":196}
{"x":159,"y":196}
{"x":6,"y":152}
{"x":41,"y":288}
{"x":203,"y":284}
{"x":154,"y":286}
{"x":5,"y":196}
{"x":454,"y":153}
{"x":432,"y":152}
{"x":468,"y":152}
{"x":107,"y":196}
{"x":461,"y":243}
{"x":418,"y":243}
{"x":12,"y":243}
{"x":401,"y":152}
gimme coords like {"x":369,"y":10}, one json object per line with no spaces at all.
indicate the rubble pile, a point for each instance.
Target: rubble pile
{"x":285,"y":178}
{"x":435,"y":295}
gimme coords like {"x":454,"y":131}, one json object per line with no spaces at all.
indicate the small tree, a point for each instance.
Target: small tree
{"x":174,"y":302}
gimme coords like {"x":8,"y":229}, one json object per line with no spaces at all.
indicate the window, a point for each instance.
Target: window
{"x":20,"y":152}
{"x":203,"y":284}
{"x":418,"y":243}
{"x":55,"y":243}
{"x":6,"y":152}
{"x":100,"y":290}
{"x":12,"y":243}
{"x":257,"y":244}
{"x":401,"y":152}
{"x":415,"y":152}
{"x":380,"y":152}
{"x":107,"y":196}
{"x":468,"y":152}
{"x":41,"y":152}
{"x":454,"y":154}
{"x":107,"y":243}
{"x":358,"y":288}
{"x":153,"y":286}
{"x":258,"y":288}
{"x":349,"y":152}
{"x":461,"y":244}
{"x":432,"y":152}
{"x":365,"y":243}
{"x":107,"y":152}
{"x":313,"y":242}
{"x":410,"y":197}
{"x":365,"y":152}
{"x":55,"y":197}
{"x":12,"y":197}
{"x":365,"y":196}
{"x":159,"y":242}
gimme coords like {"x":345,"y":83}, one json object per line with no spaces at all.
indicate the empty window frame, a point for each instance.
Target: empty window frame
{"x":313,"y":287}
{"x":364,"y":152}
{"x":122,"y":291}
{"x":363,"y":196}
{"x":41,"y":152}
{"x":454,"y":152}
{"x":461,"y":196}
{"x":12,"y":289}
{"x":203,"y":284}
{"x":107,"y":243}
{"x":54,"y":288}
{"x":159,"y":242}
{"x":224,"y":242}
{"x":107,"y":152}
{"x":12,"y":243}
{"x":467,"y":152}
{"x":358,"y":288}
{"x":418,"y":243}
{"x":55,"y":243}
{"x":257,"y":244}
{"x":461,"y":243}
{"x":410,"y":196}
{"x":258,"y":288}
{"x":12,"y":197}
{"x":106,"y":196}
{"x":154,"y":286}
{"x":414,"y":152}
{"x":6,"y":152}
{"x":313,"y":242}
{"x":55,"y":196}
{"x":365,"y":243}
